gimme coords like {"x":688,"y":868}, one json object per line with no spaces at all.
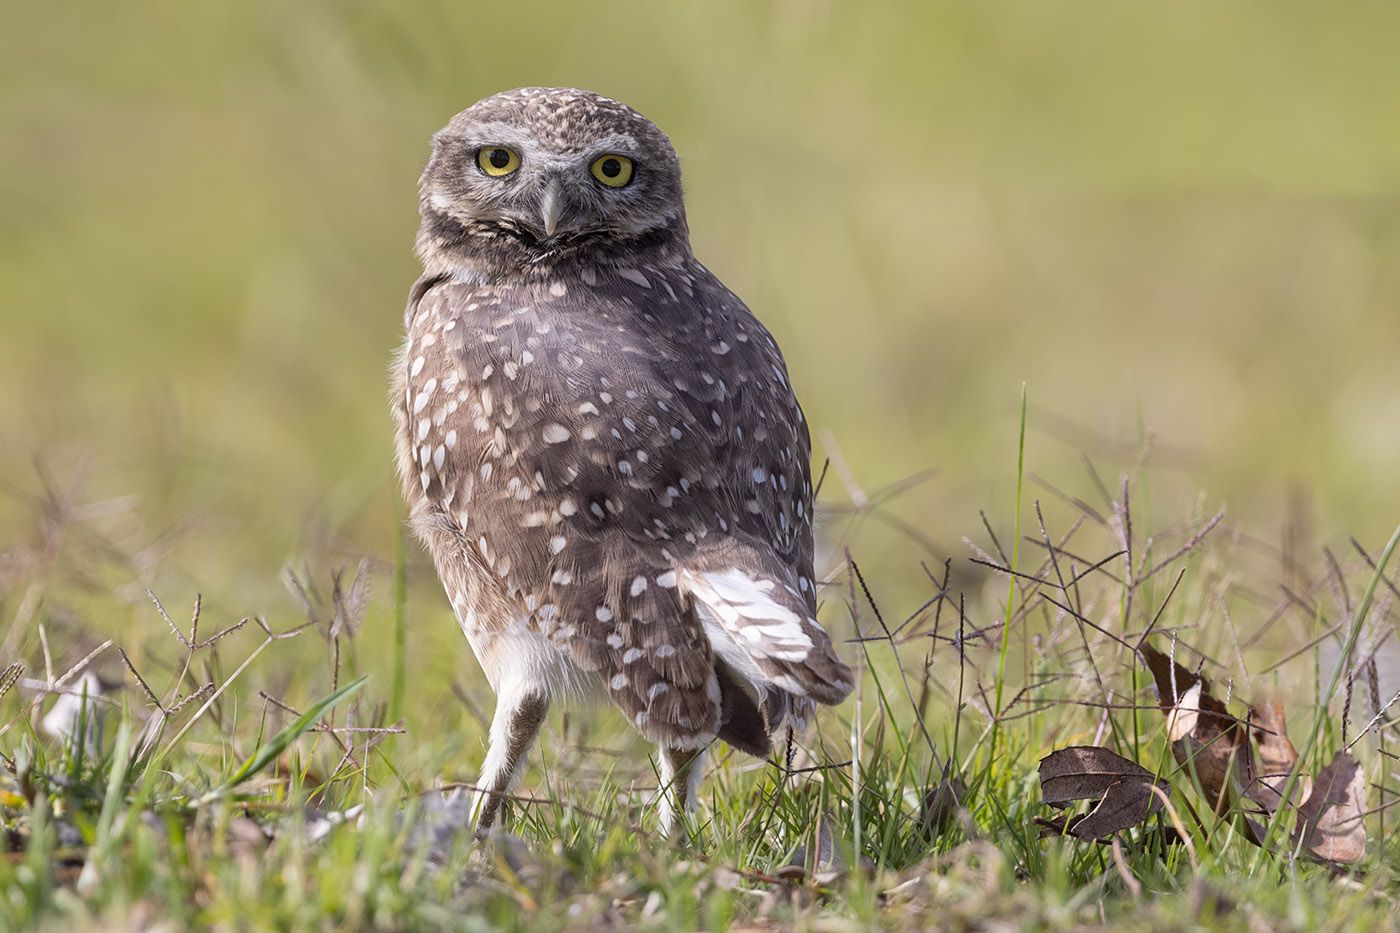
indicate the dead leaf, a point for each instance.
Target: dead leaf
{"x":940,"y":806}
{"x":1122,"y":788}
{"x":1123,"y":806}
{"x":1331,"y":820}
{"x":1255,"y":831}
{"x":1084,"y":772}
{"x":1182,"y":720}
{"x":791,"y":873}
{"x":825,"y":862}
{"x":1204,"y":736}
{"x":825,"y":856}
{"x":1275,"y":757}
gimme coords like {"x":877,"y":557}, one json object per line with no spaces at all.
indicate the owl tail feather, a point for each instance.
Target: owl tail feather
{"x":762,"y":631}
{"x":743,"y":721}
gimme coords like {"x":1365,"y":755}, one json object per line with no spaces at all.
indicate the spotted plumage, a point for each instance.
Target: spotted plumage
{"x":599,"y":444}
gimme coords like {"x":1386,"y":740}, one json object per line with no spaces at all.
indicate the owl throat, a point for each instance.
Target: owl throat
{"x":496,"y":250}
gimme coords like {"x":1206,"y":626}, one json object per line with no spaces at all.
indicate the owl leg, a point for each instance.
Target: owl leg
{"x":516,"y":723}
{"x":681,"y":771}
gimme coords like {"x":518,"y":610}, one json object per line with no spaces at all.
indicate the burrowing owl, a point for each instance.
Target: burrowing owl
{"x":600,"y":447}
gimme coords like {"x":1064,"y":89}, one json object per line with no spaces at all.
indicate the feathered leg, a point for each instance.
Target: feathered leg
{"x":681,"y":771}
{"x":516,"y":723}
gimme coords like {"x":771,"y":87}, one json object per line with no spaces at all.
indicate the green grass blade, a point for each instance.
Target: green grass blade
{"x":105,"y":844}
{"x":268,"y":753}
{"x":1015,"y":559}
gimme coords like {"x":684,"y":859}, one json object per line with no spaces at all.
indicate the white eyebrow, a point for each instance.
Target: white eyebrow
{"x":511,"y":134}
{"x":622,"y":142}
{"x":487,"y":133}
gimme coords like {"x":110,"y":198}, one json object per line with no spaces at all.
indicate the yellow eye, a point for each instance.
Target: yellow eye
{"x":615,"y":171}
{"x":497,"y":161}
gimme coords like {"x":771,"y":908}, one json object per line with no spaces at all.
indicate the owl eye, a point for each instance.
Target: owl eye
{"x":497,"y":161}
{"x":613,"y":170}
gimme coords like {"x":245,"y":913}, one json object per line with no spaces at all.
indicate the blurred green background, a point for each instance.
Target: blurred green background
{"x":1177,"y":221}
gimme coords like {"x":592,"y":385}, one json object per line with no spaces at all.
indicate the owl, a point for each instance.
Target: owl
{"x":600,"y":447}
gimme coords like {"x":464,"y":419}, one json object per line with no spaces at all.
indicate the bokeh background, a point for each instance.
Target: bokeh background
{"x":1178,"y":224}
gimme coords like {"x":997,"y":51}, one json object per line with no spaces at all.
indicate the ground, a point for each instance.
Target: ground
{"x":264,"y":776}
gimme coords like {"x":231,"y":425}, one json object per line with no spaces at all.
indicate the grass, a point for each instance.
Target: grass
{"x":196,"y":796}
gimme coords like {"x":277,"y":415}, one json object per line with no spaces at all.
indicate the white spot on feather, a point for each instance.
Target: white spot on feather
{"x":632,"y":275}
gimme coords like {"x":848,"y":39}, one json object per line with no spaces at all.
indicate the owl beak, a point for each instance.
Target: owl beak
{"x":551,"y":207}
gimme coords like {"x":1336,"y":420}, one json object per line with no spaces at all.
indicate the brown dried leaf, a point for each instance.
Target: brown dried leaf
{"x":1255,"y":831}
{"x":1331,"y":821}
{"x":1182,"y":720}
{"x":940,"y":806}
{"x":1275,"y":757}
{"x":1125,"y":805}
{"x":1216,"y":744}
{"x":1086,"y":772}
{"x":824,"y":856}
{"x":1151,"y":840}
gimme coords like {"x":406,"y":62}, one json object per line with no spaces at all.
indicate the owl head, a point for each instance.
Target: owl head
{"x":540,"y":176}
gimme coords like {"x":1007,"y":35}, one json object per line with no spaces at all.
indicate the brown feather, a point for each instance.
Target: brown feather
{"x":741,"y":723}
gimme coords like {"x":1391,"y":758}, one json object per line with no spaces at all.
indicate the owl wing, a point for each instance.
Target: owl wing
{"x":754,"y":590}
